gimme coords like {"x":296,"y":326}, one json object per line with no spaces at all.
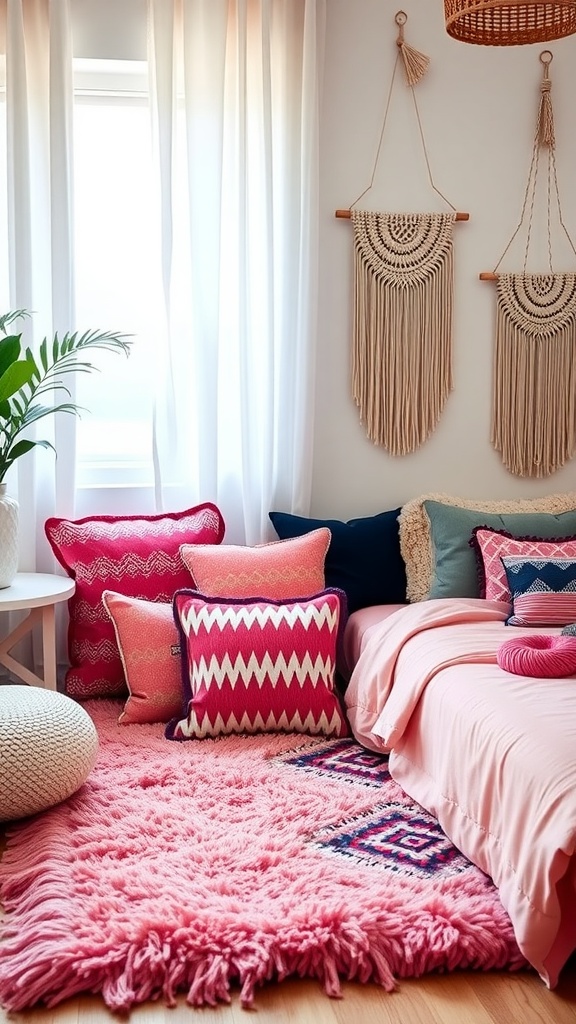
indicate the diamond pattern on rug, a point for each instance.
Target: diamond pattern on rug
{"x":401,"y":838}
{"x":343,"y":759}
{"x":397,"y":836}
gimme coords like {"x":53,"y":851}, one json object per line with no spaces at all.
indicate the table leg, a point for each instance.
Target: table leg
{"x":34,"y":616}
{"x":49,"y":645}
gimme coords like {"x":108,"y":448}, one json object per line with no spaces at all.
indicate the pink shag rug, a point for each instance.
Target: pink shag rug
{"x":196,"y":867}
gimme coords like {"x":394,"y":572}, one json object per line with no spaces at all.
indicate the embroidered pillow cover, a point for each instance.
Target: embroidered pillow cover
{"x":149,"y":646}
{"x":278,"y":570}
{"x":543,"y":592}
{"x":491,"y":546}
{"x":134,"y":555}
{"x":258,"y":665}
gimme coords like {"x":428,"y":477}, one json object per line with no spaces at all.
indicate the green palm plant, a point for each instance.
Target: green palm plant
{"x":25,"y":379}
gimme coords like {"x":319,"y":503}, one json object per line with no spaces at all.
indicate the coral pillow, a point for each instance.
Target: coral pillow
{"x":281,"y":569}
{"x":491,"y":546}
{"x":149,"y":645}
{"x":259,"y":666}
{"x":543,"y":592}
{"x":134,"y":555}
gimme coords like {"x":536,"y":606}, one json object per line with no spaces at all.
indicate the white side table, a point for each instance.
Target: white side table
{"x":39,"y":592}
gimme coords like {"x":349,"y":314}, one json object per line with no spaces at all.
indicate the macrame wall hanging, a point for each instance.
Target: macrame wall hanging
{"x":403,"y":301}
{"x":534,"y":390}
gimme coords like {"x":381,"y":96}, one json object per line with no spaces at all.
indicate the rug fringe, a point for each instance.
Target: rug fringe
{"x":62,"y":935}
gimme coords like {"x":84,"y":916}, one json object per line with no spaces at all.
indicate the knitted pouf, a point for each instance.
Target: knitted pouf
{"x":48,"y":745}
{"x":548,"y":657}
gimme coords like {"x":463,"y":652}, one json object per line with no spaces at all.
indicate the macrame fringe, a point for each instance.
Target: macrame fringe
{"x":534,"y":405}
{"x":402,"y":335}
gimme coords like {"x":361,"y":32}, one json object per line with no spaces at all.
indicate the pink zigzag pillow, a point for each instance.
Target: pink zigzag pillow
{"x":259,"y":666}
{"x":138,"y":556}
{"x":492,"y":546}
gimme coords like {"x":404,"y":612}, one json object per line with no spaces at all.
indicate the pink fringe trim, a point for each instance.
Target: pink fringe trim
{"x":34,"y":967}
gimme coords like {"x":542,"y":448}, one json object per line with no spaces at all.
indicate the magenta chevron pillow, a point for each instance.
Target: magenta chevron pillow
{"x":259,"y":666}
{"x":138,"y":556}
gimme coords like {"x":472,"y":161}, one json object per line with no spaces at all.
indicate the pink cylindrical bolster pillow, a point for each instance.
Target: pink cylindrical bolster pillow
{"x":548,"y":657}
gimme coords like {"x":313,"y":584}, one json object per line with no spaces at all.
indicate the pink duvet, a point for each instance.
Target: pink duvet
{"x":491,"y":754}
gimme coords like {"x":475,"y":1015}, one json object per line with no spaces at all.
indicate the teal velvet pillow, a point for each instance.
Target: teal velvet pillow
{"x":455,"y":571}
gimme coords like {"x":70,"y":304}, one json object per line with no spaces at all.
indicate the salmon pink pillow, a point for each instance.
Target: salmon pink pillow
{"x":138,"y":556}
{"x":149,"y":646}
{"x":491,"y":546}
{"x":259,"y":666}
{"x":278,"y":570}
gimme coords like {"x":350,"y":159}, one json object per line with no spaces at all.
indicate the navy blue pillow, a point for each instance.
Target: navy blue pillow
{"x":363,"y":558}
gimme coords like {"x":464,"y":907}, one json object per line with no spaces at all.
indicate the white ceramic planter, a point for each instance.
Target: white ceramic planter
{"x":8,"y":537}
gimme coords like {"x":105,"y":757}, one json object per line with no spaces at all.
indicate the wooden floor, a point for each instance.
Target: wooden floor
{"x":462,"y":998}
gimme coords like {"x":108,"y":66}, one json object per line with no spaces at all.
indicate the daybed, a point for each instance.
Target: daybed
{"x":488,"y":751}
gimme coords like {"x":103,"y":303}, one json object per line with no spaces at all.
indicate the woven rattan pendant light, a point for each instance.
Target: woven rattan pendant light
{"x":509,"y":23}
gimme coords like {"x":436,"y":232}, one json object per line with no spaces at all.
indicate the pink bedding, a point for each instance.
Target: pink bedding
{"x":492,"y":755}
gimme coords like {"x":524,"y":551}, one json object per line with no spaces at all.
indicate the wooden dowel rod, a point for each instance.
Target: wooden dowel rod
{"x":488,"y":275}
{"x":346,"y":215}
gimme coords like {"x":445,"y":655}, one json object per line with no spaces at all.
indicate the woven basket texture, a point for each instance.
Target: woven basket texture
{"x":505,"y":23}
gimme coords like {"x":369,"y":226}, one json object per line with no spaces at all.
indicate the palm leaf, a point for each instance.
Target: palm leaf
{"x":23,"y":381}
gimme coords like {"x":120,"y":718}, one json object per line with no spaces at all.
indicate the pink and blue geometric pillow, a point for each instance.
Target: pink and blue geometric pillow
{"x":491,"y":546}
{"x":543,"y":591}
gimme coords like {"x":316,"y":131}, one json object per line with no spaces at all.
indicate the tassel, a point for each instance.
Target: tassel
{"x":546,"y":117}
{"x":415,"y":63}
{"x":546,"y":113}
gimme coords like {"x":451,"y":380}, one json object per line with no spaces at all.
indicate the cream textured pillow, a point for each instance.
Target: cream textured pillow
{"x":435,"y":532}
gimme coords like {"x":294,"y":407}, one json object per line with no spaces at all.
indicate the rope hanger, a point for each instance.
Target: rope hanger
{"x":415,"y":66}
{"x":544,"y":138}
{"x":533,"y":407}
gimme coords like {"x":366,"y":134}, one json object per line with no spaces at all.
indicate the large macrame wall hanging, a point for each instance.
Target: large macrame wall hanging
{"x":403,"y":302}
{"x":534,"y":389}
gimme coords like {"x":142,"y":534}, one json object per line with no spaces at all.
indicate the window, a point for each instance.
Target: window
{"x":115,"y":268}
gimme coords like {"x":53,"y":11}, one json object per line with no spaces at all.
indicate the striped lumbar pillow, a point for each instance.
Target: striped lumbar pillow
{"x":543,"y":591}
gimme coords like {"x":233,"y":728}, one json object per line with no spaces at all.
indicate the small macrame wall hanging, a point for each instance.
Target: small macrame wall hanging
{"x":534,"y":377}
{"x":403,"y":303}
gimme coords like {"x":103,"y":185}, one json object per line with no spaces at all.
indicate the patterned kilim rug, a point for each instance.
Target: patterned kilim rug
{"x":200,"y":866}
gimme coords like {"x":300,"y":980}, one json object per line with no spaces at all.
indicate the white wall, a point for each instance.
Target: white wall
{"x":478,"y":107}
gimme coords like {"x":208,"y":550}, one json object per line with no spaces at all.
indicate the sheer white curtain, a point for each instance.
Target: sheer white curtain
{"x":235,"y":101}
{"x":39,"y":258}
{"x":234,"y":96}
